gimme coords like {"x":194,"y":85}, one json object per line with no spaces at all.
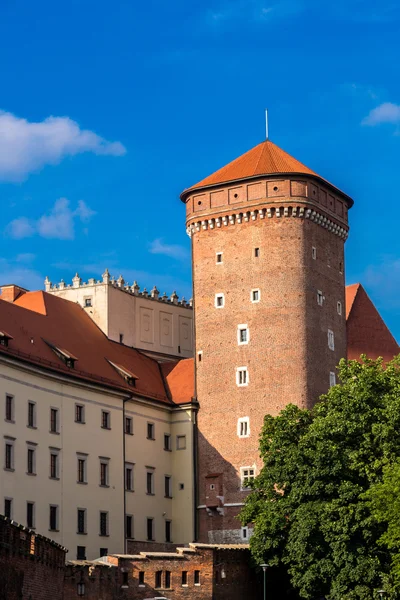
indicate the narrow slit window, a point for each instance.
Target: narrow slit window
{"x":219,"y":258}
{"x":256,"y":252}
{"x":219,"y":300}
{"x":255,"y":296}
{"x":339,"y":308}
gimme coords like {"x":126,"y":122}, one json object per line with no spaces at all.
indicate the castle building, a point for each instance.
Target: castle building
{"x":159,"y":325}
{"x":268,"y":239}
{"x":97,"y":441}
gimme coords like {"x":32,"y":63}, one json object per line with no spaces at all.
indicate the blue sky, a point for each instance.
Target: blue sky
{"x":111,"y":109}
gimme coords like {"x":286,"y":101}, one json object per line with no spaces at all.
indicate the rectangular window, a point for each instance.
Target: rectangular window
{"x":31,"y":414}
{"x":167,"y":486}
{"x":339,"y":308}
{"x":104,"y":523}
{"x":81,"y":520}
{"x":244,"y":533}
{"x":150,"y":482}
{"x":331,"y":340}
{"x":105,"y":419}
{"x":219,"y":300}
{"x":88,"y":302}
{"x":314,"y":252}
{"x":9,"y":408}
{"x":104,"y":473}
{"x":320,"y":298}
{"x":219,"y":258}
{"x":184,"y":578}
{"x":150,"y":533}
{"x":121,"y":338}
{"x":158,"y":579}
{"x":247,"y":474}
{"x":129,"y":527}
{"x":129,"y":425}
{"x":79,"y":413}
{"x":81,"y":553}
{"x":53,"y":525}
{"x":197,"y":578}
{"x":242,"y":376}
{"x":31,"y":461}
{"x":9,"y":456}
{"x":8,"y":508}
{"x":129,"y":478}
{"x":332,"y":379}
{"x":168,"y":531}
{"x":243,"y":335}
{"x":54,"y":420}
{"x":243,"y":427}
{"x":30,"y":515}
{"x":167,"y":579}
{"x":150,"y":431}
{"x":141,"y":577}
{"x":81,"y":470}
{"x":104,"y":552}
{"x":167,"y":441}
{"x":53,"y":465}
{"x":256,"y":252}
{"x":181,"y":442}
{"x":255,"y":295}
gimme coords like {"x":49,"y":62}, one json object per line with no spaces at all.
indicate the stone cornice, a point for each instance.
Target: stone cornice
{"x":299,"y":212}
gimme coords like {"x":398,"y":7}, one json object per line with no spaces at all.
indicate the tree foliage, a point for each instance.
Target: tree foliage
{"x":311,"y":505}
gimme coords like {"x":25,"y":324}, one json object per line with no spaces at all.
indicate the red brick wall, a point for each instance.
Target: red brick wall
{"x":288,"y":358}
{"x":101,"y":582}
{"x":30,"y":566}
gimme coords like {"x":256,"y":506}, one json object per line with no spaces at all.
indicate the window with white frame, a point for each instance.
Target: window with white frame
{"x":243,"y":334}
{"x":82,"y":468}
{"x":242,"y":376}
{"x":31,"y":414}
{"x":255,"y":295}
{"x":54,"y":463}
{"x":320,"y":298}
{"x":332,"y":379}
{"x":218,"y":258}
{"x":314,"y":252}
{"x":243,"y":427}
{"x":244,"y":533}
{"x":339,"y":308}
{"x":219,"y":300}
{"x":9,"y":408}
{"x":31,"y":460}
{"x":9,"y":455}
{"x":129,"y":477}
{"x":247,"y":474}
{"x":331,"y":340}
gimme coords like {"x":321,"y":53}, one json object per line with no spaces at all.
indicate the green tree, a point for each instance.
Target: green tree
{"x":309,"y":505}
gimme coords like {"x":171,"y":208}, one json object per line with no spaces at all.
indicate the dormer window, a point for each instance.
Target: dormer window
{"x":129,"y":377}
{"x":4,"y":338}
{"x":64,"y":355}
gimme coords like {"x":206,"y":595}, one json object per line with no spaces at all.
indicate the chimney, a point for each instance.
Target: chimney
{"x":11,"y":292}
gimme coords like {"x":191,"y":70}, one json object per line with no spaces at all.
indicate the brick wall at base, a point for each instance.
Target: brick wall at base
{"x":31,"y":566}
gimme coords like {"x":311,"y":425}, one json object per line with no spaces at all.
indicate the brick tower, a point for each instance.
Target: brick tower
{"x":268,"y":269}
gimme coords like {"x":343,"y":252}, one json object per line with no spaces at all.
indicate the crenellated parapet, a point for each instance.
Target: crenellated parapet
{"x":119,"y":283}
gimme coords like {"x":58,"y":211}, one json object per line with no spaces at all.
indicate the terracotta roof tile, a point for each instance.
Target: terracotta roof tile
{"x":66,"y":325}
{"x":179,"y":377}
{"x":264,"y":159}
{"x":366,"y":330}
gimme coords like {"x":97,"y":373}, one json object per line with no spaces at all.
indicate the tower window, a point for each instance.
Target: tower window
{"x":320,"y":298}
{"x":332,"y":379}
{"x":314,"y":252}
{"x":243,"y":335}
{"x":200,"y":356}
{"x":340,"y":267}
{"x":256,"y":252}
{"x":219,"y":300}
{"x":219,"y":258}
{"x":88,"y":302}
{"x":331,"y":340}
{"x":255,"y":295}
{"x":247,"y":474}
{"x":339,"y":308}
{"x":244,"y":533}
{"x":242,"y":376}
{"x":243,"y":427}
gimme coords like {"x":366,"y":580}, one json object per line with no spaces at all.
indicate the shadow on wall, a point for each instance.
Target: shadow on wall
{"x":11,"y":583}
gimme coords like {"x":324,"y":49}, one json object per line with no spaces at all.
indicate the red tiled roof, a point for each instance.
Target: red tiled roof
{"x":264,"y":159}
{"x":180,"y":380}
{"x":366,"y":330}
{"x":38,"y":316}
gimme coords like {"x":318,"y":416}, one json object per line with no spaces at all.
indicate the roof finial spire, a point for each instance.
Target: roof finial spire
{"x":266,"y":124}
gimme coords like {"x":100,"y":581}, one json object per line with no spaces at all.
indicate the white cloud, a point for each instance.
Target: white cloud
{"x":12,"y":273}
{"x":26,"y":147}
{"x":384,"y":113}
{"x":59,"y":223}
{"x":174,"y":251}
{"x":26,"y":257}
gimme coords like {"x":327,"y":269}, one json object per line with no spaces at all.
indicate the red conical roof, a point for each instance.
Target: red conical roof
{"x":264,"y":159}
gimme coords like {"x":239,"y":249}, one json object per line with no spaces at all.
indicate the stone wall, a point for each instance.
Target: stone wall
{"x":31,"y":566}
